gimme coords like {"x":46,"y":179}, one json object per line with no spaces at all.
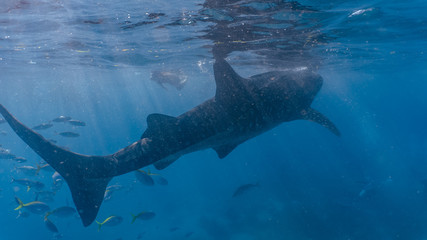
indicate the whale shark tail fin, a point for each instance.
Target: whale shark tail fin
{"x":86,"y":175}
{"x":88,"y":195}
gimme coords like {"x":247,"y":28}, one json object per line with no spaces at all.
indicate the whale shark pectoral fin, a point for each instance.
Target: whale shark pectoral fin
{"x":315,"y":116}
{"x":224,"y":150}
{"x":164,"y":163}
{"x":156,"y":122}
{"x":88,"y":195}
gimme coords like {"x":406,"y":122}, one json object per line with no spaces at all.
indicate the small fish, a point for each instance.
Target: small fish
{"x":62,"y":212}
{"x":23,"y":214}
{"x":61,"y":119}
{"x":35,"y":207}
{"x":361,"y":11}
{"x":19,"y":159}
{"x":3,"y":133}
{"x":111,"y":221}
{"x":6,"y":154}
{"x":98,"y":21}
{"x":50,"y":226}
{"x":29,"y":183}
{"x":29,"y":170}
{"x":43,"y":126}
{"x":144,"y":177}
{"x":2,"y":120}
{"x":77,"y":123}
{"x":161,"y":180}
{"x":110,"y":190}
{"x":46,"y":167}
{"x":58,"y":180}
{"x":108,"y":195}
{"x":372,"y":187}
{"x":244,"y":188}
{"x":154,"y":15}
{"x":69,"y":134}
{"x":173,"y":229}
{"x":146,"y":215}
{"x":115,"y":187}
{"x":368,"y":188}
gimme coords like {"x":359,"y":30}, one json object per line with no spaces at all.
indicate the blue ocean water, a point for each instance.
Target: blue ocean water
{"x":97,"y":62}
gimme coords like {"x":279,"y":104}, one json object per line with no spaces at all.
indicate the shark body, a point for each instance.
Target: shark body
{"x":240,"y":110}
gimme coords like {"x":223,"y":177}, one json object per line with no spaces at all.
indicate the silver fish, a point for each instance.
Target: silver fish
{"x":28,"y":170}
{"x":29,"y":183}
{"x":69,"y":134}
{"x":19,"y":159}
{"x":244,"y":188}
{"x":77,"y":123}
{"x":61,"y":119}
{"x":43,"y":126}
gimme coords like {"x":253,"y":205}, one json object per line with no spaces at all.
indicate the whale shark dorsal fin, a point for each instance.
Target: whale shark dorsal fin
{"x":224,"y":150}
{"x":156,"y":122}
{"x":315,"y":116}
{"x":164,"y":163}
{"x":228,"y":83}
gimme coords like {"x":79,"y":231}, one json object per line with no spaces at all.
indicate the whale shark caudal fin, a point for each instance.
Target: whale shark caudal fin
{"x":84,"y":174}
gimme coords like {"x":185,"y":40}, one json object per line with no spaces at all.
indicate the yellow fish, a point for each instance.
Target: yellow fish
{"x":34,"y":207}
{"x":110,"y":221}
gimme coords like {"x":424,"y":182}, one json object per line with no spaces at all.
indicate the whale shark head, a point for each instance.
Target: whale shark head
{"x":283,"y":95}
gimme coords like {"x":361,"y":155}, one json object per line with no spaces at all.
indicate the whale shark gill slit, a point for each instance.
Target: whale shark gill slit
{"x":240,"y":110}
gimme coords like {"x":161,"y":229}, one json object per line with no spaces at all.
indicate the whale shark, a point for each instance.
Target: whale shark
{"x":241,"y":109}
